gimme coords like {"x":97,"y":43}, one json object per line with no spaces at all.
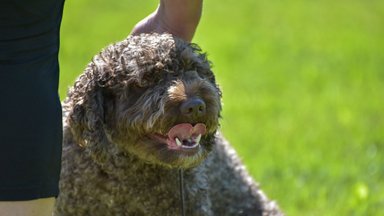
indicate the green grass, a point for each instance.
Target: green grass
{"x":303,"y":85}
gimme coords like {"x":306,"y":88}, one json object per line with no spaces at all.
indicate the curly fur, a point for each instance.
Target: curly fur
{"x":111,"y":165}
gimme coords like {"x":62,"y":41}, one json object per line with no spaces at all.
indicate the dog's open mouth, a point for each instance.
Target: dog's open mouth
{"x":183,"y":136}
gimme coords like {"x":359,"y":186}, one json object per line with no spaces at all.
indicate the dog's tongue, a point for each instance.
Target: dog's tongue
{"x":185,"y":131}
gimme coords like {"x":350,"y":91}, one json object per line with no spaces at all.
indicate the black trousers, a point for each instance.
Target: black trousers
{"x":30,"y":111}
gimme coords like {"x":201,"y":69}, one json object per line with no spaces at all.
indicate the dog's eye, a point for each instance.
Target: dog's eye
{"x":150,"y":78}
{"x":206,"y":74}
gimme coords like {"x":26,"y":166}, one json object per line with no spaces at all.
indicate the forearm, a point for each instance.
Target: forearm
{"x":178,"y":17}
{"x":181,"y":16}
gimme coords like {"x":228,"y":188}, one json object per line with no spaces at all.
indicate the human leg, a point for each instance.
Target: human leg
{"x":38,"y":207}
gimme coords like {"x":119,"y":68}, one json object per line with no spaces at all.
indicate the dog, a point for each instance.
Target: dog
{"x":141,"y":137}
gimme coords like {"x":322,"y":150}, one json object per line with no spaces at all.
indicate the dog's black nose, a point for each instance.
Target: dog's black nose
{"x":193,"y":107}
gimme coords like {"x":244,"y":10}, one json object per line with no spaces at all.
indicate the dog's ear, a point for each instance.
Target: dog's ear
{"x":86,"y":113}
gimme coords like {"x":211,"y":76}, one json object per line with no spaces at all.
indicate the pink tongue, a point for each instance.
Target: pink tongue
{"x":185,"y":131}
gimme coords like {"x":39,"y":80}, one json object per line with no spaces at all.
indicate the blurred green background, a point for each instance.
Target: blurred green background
{"x":303,"y":84}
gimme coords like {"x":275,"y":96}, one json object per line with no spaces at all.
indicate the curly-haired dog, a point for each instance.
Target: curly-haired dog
{"x":143,"y":109}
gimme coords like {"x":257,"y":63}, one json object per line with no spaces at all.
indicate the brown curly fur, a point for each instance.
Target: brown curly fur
{"x":112,"y":166}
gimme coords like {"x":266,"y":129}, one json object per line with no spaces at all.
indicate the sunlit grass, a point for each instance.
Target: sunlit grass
{"x":303,"y":85}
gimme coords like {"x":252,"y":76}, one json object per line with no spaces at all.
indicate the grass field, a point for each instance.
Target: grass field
{"x":303,"y":85}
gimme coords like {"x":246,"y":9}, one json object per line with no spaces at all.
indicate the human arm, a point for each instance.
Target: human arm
{"x":178,"y":17}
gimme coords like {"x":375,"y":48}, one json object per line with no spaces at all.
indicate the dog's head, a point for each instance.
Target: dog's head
{"x":153,"y":96}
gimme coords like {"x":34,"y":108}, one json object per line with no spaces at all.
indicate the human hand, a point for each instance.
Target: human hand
{"x":178,"y":17}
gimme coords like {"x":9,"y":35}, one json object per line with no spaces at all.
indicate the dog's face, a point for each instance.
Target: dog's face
{"x":153,"y":96}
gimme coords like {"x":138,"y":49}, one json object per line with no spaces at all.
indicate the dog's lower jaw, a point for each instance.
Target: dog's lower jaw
{"x":144,"y":149}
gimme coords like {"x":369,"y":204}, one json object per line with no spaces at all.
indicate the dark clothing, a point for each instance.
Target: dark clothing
{"x":30,"y":123}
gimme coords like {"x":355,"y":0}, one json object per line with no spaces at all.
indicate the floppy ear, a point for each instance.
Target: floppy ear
{"x":86,"y":114}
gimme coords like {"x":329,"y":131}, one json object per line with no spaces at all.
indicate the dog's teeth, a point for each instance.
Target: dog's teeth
{"x":198,"y":138}
{"x":178,"y":142}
